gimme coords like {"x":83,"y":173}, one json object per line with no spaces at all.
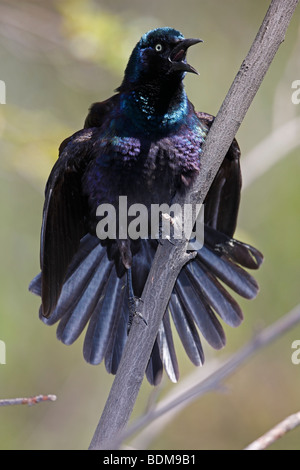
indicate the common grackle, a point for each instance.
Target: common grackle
{"x":144,"y":143}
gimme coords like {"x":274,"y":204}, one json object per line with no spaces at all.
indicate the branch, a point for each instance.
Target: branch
{"x":170,"y":258}
{"x":215,"y":379}
{"x":288,"y":424}
{"x":27,"y":401}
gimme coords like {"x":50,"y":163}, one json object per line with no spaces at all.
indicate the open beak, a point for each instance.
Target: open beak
{"x":178,"y":55}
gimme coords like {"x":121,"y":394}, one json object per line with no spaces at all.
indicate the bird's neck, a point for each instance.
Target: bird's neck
{"x":156,"y":107}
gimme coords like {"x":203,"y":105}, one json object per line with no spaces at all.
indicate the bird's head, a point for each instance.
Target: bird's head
{"x":160,"y":54}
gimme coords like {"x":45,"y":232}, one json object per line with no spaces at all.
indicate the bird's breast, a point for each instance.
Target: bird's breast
{"x":147,"y":171}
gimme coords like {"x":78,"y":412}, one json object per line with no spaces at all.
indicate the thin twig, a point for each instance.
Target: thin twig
{"x":27,"y":401}
{"x":170,"y":258}
{"x":288,"y":424}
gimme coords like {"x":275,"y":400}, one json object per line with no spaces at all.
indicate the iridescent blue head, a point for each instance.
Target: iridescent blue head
{"x":160,"y":54}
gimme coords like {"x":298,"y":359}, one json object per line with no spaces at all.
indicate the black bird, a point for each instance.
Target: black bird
{"x":144,"y":143}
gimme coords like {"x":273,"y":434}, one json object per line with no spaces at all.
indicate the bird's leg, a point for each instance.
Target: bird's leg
{"x":133,"y":302}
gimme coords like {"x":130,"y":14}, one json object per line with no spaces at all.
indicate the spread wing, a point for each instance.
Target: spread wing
{"x":65,"y":205}
{"x":222,"y":206}
{"x":63,"y":215}
{"x":223,"y":199}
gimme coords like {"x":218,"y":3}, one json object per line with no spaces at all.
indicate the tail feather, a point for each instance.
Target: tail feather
{"x":167,"y":350}
{"x":141,"y":265}
{"x":154,"y":368}
{"x":200,"y":311}
{"x":118,"y":338}
{"x":246,"y":255}
{"x":87,"y":244}
{"x":233,"y":275}
{"x":214,"y":293}
{"x":241,"y":253}
{"x":95,"y":293}
{"x":186,"y":330}
{"x":102,"y":320}
{"x":77,"y":281}
{"x":82,"y":304}
{"x":35,"y":285}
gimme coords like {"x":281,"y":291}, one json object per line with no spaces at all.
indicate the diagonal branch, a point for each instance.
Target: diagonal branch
{"x":215,"y":379}
{"x":169,"y":257}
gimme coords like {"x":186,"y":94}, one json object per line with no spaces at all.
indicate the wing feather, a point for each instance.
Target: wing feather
{"x":63,"y":216}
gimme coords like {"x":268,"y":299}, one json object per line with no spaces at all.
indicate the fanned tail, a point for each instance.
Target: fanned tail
{"x":95,"y":293}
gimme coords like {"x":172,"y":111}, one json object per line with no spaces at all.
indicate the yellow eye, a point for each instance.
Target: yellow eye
{"x":158,"y":47}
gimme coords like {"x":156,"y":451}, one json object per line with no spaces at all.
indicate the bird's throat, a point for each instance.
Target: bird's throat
{"x":157,"y":108}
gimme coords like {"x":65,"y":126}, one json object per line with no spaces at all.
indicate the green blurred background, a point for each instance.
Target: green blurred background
{"x":57,"y":57}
